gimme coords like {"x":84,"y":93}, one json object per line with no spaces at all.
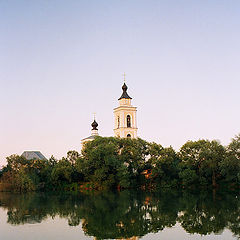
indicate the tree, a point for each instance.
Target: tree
{"x":213,"y":155}
{"x":165,"y":165}
{"x":230,"y":166}
{"x":203,"y":157}
{"x":134,"y":155}
{"x":72,"y":157}
{"x":99,"y":162}
{"x":191,"y":158}
{"x":19,"y":173}
{"x":62,"y":172}
{"x":111,"y":162}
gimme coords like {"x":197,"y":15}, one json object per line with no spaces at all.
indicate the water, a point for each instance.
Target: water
{"x":124,"y":215}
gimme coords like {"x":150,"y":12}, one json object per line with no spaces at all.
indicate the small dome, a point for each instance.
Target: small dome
{"x":124,"y":87}
{"x":124,"y":94}
{"x":94,"y":125}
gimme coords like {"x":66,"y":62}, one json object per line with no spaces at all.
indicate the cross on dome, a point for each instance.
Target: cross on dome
{"x":124,"y":77}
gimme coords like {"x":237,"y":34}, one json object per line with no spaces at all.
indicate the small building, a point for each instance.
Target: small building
{"x":29,"y":155}
{"x":94,"y":133}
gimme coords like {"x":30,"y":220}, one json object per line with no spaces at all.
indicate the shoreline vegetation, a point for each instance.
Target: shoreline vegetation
{"x":121,"y":163}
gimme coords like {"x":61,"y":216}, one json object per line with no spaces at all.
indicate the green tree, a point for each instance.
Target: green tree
{"x":230,"y":166}
{"x":164,"y":165}
{"x":62,"y":172}
{"x":99,"y":162}
{"x":20,"y":173}
{"x":73,"y":156}
{"x":191,"y":158}
{"x":134,"y":154}
{"x":202,"y":159}
{"x":111,"y":162}
{"x":213,"y":155}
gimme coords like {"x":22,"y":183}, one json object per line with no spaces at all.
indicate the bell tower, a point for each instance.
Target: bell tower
{"x":125,"y":116}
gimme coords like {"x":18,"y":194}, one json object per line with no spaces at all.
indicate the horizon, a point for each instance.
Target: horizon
{"x":62,"y":61}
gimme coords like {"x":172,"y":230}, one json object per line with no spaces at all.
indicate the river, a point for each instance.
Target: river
{"x":120,"y":215}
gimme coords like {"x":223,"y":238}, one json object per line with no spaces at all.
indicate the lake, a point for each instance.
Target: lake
{"x":120,"y":215}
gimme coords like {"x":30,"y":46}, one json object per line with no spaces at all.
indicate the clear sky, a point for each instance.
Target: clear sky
{"x":60,"y":61}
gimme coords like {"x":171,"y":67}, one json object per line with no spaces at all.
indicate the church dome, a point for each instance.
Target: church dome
{"x":125,"y":94}
{"x":124,"y":87}
{"x":94,"y":125}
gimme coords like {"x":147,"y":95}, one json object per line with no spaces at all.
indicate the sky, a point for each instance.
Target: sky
{"x":61,"y":61}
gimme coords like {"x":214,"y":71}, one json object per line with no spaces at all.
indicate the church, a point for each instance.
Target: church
{"x":125,"y":119}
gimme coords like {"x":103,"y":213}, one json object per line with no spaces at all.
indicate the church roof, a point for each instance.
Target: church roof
{"x":94,"y":125}
{"x":90,"y":137}
{"x":125,"y":94}
{"x":29,"y":155}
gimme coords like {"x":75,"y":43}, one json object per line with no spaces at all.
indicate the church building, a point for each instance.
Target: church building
{"x":125,"y":120}
{"x":125,"y":116}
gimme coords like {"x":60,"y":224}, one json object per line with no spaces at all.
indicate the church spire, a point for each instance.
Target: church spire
{"x":125,"y":94}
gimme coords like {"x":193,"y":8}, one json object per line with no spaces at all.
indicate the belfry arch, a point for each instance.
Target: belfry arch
{"x":128,"y":121}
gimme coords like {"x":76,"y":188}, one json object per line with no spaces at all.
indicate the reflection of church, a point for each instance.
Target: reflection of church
{"x":125,"y":121}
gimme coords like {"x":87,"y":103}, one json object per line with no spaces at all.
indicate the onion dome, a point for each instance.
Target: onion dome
{"x":124,"y":94}
{"x":94,"y":125}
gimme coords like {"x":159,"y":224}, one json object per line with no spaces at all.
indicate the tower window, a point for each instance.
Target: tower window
{"x":128,"y":121}
{"x":129,"y":136}
{"x":118,"y":122}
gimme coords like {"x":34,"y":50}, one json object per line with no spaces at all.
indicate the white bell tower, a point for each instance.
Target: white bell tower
{"x":125,"y":117}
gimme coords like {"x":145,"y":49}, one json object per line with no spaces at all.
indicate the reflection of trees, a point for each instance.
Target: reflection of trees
{"x":34,"y":208}
{"x":127,"y":214}
{"x":201,"y":216}
{"x":121,"y":215}
{"x":204,"y":215}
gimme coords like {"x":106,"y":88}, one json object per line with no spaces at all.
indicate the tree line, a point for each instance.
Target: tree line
{"x":110,"y":163}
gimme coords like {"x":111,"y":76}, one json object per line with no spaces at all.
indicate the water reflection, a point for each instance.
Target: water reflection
{"x":128,"y":214}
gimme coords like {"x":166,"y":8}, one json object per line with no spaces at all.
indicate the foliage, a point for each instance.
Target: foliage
{"x":120,"y":163}
{"x":230,"y":166}
{"x":201,"y":161}
{"x":62,"y":172}
{"x":164,"y":163}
